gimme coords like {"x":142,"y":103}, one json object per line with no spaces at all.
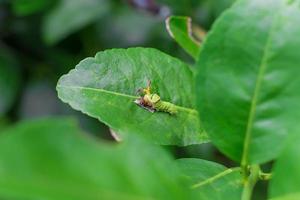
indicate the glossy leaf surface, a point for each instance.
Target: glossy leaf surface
{"x":105,"y":87}
{"x":248,"y":91}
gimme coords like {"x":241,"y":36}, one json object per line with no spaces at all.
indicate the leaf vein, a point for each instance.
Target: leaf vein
{"x":214,"y":178}
{"x":261,"y":72}
{"x":189,"y":110}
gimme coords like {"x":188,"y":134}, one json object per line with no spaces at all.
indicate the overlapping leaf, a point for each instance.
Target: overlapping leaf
{"x":248,"y":91}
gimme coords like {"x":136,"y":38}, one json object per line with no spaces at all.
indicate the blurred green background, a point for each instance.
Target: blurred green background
{"x":40,"y":40}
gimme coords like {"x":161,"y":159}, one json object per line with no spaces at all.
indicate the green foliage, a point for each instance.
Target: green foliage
{"x":205,"y":177}
{"x":180,"y":28}
{"x":244,"y":87}
{"x":71,"y":15}
{"x":59,"y":162}
{"x":246,"y":83}
{"x":105,"y":87}
{"x":9,"y":80}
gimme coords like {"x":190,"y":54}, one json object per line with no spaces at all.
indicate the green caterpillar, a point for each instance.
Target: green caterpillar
{"x":152,"y":102}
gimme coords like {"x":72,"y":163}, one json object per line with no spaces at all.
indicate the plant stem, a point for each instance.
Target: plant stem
{"x":265,"y":176}
{"x":250,"y":182}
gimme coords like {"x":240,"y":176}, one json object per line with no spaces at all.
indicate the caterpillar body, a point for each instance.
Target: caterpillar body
{"x":165,"y":107}
{"x":152,"y":102}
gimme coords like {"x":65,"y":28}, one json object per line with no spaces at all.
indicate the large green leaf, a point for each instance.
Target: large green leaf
{"x":71,"y":15}
{"x":212,"y":180}
{"x":9,"y":80}
{"x":50,"y":159}
{"x":105,"y":87}
{"x":285,"y":183}
{"x":180,"y":28}
{"x":248,"y":91}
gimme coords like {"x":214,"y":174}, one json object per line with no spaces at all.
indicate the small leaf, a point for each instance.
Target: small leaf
{"x":285,"y":183}
{"x":206,"y":177}
{"x":180,"y":28}
{"x":105,"y":87}
{"x":247,"y":90}
{"x":71,"y":15}
{"x":51,"y":159}
{"x":9,"y":80}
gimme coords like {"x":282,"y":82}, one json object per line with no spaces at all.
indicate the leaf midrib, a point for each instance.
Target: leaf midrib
{"x":261,"y":72}
{"x":215,"y":177}
{"x":189,"y":110}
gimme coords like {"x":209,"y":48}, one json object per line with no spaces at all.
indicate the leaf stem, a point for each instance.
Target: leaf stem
{"x":250,"y":181}
{"x":264,"y":176}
